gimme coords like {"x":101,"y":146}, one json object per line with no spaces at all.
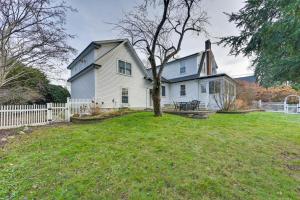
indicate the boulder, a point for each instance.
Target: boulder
{"x":11,"y":137}
{"x":26,"y":129}
{"x":22,"y":133}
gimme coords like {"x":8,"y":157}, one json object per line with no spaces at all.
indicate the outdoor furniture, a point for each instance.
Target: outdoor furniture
{"x":183,"y":105}
{"x":192,"y":105}
{"x":195,"y":105}
{"x":176,"y":105}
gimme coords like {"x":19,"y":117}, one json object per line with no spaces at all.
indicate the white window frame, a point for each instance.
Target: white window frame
{"x":125,"y":62}
{"x":184,"y":90}
{"x":203,"y":86}
{"x":122,"y":96}
{"x":162,"y":91}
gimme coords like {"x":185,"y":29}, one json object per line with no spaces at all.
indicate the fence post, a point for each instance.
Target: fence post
{"x":259,"y":104}
{"x":49,"y":113}
{"x":68,"y":110}
{"x":286,"y":110}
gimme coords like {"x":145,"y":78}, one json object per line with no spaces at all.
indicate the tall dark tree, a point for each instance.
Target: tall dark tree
{"x":270,"y":35}
{"x":157,"y":28}
{"x":32,"y":33}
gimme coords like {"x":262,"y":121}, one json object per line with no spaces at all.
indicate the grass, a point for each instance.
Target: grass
{"x":250,"y":156}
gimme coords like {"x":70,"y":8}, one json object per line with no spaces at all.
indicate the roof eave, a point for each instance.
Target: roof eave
{"x":83,"y":71}
{"x":86,"y":50}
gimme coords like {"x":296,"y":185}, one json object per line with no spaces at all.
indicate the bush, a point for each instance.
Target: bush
{"x":57,"y":94}
{"x":249,"y":92}
{"x":31,"y":88}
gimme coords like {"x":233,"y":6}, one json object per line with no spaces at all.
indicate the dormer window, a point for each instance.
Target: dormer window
{"x":124,"y":68}
{"x":182,"y":70}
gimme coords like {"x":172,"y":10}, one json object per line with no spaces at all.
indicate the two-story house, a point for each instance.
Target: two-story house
{"x":111,"y":72}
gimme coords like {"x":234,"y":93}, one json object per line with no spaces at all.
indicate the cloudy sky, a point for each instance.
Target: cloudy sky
{"x":90,"y":23}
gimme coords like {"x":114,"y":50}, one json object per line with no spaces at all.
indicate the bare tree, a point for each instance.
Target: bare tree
{"x":32,"y":33}
{"x":225,"y":101}
{"x":157,"y":28}
{"x":223,"y":94}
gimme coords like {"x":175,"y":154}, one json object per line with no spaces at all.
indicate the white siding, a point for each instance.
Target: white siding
{"x":191,"y":88}
{"x":104,"y":49}
{"x":166,"y":99}
{"x":172,"y":70}
{"x":109,"y":82}
{"x":84,"y":86}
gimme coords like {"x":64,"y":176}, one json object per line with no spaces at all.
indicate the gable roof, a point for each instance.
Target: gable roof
{"x":97,"y":44}
{"x":163,"y":79}
{"x":93,"y":45}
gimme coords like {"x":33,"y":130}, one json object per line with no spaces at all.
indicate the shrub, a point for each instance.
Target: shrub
{"x":249,"y":92}
{"x":57,"y":94}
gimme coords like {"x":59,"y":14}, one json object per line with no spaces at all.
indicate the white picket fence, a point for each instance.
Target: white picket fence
{"x":81,"y":106}
{"x":279,"y":107}
{"x":13,"y":116}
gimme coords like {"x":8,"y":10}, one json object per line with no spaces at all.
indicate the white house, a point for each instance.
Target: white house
{"x":111,"y":72}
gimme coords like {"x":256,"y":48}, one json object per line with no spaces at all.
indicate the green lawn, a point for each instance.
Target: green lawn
{"x":252,"y":156}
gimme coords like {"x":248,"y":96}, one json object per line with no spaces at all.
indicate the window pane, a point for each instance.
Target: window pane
{"x":217,"y":87}
{"x":128,"y":68}
{"x":121,"y":67}
{"x":182,"y":70}
{"x":124,"y":95}
{"x":203,"y":88}
{"x":182,"y":90}
{"x":211,"y":87}
{"x":163,"y":91}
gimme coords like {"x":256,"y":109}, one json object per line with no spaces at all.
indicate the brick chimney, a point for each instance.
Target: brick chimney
{"x":208,"y":57}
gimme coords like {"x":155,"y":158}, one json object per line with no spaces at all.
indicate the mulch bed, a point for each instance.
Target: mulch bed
{"x":103,"y":116}
{"x":241,"y":111}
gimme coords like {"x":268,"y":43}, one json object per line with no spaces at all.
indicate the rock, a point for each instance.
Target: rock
{"x":27,"y":129}
{"x":4,"y":139}
{"x":11,"y":137}
{"x":22,"y":133}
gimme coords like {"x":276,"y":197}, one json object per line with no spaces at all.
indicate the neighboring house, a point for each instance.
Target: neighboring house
{"x":112,"y":72}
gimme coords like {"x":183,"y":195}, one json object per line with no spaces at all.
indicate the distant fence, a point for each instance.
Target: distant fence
{"x":279,"y":107}
{"x":13,"y":116}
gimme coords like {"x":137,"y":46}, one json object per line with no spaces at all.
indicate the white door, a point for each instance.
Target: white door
{"x":204,"y":93}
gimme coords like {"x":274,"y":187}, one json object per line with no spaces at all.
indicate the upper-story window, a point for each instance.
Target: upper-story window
{"x":182,"y":70}
{"x":163,"y":91}
{"x":182,"y":90}
{"x":124,"y":67}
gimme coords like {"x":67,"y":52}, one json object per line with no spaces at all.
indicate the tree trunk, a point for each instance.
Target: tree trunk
{"x":156,"y":98}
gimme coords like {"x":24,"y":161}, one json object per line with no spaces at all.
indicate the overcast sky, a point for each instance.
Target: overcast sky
{"x":89,"y":24}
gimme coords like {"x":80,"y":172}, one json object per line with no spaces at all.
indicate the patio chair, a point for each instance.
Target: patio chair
{"x":176,"y":106}
{"x":195,"y":104}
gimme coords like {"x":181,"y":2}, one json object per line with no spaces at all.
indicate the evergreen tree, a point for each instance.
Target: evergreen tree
{"x":270,"y":35}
